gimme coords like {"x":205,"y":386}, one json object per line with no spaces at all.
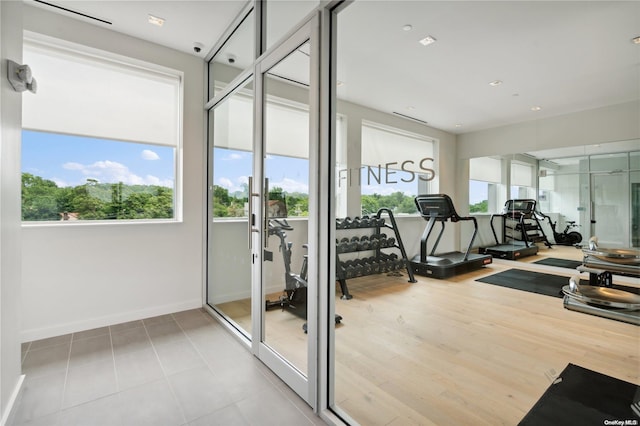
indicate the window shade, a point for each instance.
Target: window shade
{"x":84,"y":95}
{"x":521,"y":174}
{"x":286,"y":126}
{"x":485,"y":169}
{"x":382,"y":146}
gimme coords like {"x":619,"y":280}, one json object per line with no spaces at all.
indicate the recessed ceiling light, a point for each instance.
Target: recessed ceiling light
{"x":427,"y":41}
{"x":411,"y":108}
{"x":536,"y":108}
{"x":154,"y":20}
{"x":407,"y":27}
{"x":340,"y":83}
{"x":636,"y":40}
{"x":458,"y":125}
{"x":495,"y":83}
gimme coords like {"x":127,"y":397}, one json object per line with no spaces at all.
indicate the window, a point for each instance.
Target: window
{"x":485,"y":187}
{"x":396,"y":166}
{"x":522,"y":181}
{"x":100,"y":138}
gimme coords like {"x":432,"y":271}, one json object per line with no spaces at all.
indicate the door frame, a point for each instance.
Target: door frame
{"x":304,"y":386}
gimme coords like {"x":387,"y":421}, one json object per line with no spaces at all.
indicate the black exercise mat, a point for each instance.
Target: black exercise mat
{"x":562,"y":263}
{"x":584,"y":397}
{"x":534,"y":282}
{"x":538,"y":282}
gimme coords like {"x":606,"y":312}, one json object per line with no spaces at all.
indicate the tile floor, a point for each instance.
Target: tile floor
{"x":174,"y":370}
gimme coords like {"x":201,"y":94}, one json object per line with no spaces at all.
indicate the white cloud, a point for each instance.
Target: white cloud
{"x":147,"y":154}
{"x":234,"y":157}
{"x":232,"y":186}
{"x":290,"y":185}
{"x":112,"y":172}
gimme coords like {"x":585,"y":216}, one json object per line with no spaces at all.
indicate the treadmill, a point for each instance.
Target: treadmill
{"x":514,"y":217}
{"x":439,"y":208}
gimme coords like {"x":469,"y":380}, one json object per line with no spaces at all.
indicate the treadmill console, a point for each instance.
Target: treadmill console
{"x":525,"y":207}
{"x":439,"y":206}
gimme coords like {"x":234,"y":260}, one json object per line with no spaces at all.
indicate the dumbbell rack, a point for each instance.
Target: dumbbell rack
{"x":375,"y":242}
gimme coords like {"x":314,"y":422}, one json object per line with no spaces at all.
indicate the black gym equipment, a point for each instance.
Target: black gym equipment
{"x":294,"y":296}
{"x":599,"y":298}
{"x":568,"y":237}
{"x":439,"y":208}
{"x":520,"y":230}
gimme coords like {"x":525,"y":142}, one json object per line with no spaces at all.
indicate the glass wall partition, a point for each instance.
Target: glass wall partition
{"x":454,"y":350}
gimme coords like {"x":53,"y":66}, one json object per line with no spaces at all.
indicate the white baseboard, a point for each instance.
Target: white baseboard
{"x":6,"y":415}
{"x":117,"y":318}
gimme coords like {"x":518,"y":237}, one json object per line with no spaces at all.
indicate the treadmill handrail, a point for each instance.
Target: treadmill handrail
{"x":433,"y":216}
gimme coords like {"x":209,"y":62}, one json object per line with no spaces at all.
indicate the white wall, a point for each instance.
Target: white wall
{"x":88,"y":275}
{"x":596,"y":126}
{"x":10,"y":240}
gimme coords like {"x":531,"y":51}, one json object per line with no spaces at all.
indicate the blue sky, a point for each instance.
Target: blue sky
{"x":71,"y":160}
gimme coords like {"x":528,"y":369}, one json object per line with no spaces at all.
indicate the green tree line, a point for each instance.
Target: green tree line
{"x":43,"y":199}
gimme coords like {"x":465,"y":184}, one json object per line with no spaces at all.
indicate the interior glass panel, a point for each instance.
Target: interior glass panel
{"x":283,"y":15}
{"x":231,"y":164}
{"x":286,"y":189}
{"x":236,"y":54}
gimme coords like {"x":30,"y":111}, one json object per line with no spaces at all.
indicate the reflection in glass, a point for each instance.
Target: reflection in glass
{"x":229,"y":266}
{"x":237,"y":53}
{"x":286,"y":171}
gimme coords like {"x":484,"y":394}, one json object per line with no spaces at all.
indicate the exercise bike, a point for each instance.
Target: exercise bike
{"x":294,"y":296}
{"x":567,"y":237}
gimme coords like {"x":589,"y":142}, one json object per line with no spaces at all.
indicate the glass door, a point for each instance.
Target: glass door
{"x":231,"y":158}
{"x":287,"y":211}
{"x":610,"y":209}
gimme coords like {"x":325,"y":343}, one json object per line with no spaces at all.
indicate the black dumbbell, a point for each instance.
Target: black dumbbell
{"x":391,"y":242}
{"x":365,"y":243}
{"x":365,"y":222}
{"x":354,"y":243}
{"x":356,"y":222}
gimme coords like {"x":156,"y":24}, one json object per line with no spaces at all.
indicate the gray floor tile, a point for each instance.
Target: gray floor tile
{"x":227,"y":416}
{"x":50,"y":420}
{"x":90,"y":349}
{"x":137,"y":368}
{"x":270,"y":407}
{"x":90,"y":333}
{"x":199,"y":392}
{"x":51,"y":341}
{"x":40,"y":396}
{"x":158,"y":320}
{"x":117,"y":328}
{"x":241,"y":380}
{"x":178,"y":356}
{"x":101,"y":412}
{"x":133,"y":339}
{"x":166,"y":332}
{"x":46,"y":360}
{"x":151,"y":404}
{"x":89,"y":382}
{"x":190,"y":370}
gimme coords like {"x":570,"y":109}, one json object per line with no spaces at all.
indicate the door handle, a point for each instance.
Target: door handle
{"x":251,"y":220}
{"x":266,"y":212}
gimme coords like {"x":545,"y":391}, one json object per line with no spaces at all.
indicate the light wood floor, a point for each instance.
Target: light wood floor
{"x":457,"y":351}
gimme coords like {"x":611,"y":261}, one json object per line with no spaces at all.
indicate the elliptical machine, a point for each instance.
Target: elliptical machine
{"x":294,"y":296}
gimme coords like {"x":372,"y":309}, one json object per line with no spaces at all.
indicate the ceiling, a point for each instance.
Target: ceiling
{"x":562,"y":57}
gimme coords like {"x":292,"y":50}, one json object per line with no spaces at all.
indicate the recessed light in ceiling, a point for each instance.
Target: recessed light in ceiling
{"x":407,"y":27}
{"x":427,"y":40}
{"x":495,"y":83}
{"x":411,"y":108}
{"x":458,"y":125}
{"x":636,"y":40}
{"x":536,"y":108}
{"x":339,"y":83}
{"x":154,"y":20}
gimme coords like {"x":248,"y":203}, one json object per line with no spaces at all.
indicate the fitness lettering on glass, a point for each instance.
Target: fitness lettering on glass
{"x":388,"y":173}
